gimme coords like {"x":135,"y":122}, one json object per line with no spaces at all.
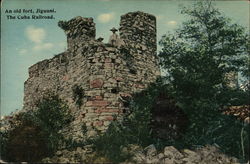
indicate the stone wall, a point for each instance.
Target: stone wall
{"x":95,"y":78}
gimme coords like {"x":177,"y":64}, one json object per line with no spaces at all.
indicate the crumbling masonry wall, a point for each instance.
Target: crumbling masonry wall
{"x":95,"y":78}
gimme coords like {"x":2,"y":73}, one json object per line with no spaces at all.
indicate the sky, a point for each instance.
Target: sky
{"x":24,"y":42}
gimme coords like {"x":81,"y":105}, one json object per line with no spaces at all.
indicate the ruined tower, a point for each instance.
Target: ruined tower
{"x":78,"y":30}
{"x":94,"y":78}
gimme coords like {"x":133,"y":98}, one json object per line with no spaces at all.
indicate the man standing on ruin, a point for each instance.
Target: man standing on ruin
{"x":113,"y":40}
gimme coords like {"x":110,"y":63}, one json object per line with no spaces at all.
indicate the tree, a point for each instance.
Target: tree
{"x":199,"y":55}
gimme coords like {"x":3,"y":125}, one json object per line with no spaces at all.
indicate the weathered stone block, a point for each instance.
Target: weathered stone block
{"x":98,"y":97}
{"x":119,"y":79}
{"x":98,"y":123}
{"x":107,"y":110}
{"x":108,"y":60}
{"x":97,"y":83}
{"x":97,"y":103}
{"x":106,"y":118}
{"x":108,"y":65}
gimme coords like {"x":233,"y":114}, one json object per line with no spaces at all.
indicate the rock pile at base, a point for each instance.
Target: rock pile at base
{"x":170,"y":155}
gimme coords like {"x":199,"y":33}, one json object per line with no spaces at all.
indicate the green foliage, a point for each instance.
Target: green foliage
{"x":3,"y":143}
{"x":52,"y":115}
{"x":234,"y":97}
{"x":53,"y":112}
{"x":215,"y":128}
{"x":110,"y":143}
{"x":78,"y":94}
{"x":197,"y":58}
{"x":36,"y":134}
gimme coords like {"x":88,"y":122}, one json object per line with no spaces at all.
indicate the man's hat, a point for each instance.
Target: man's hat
{"x":113,"y":29}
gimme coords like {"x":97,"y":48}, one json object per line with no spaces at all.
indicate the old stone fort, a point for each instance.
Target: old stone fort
{"x":95,"y":78}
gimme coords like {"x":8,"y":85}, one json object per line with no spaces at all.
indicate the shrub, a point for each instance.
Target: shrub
{"x":3,"y":143}
{"x":53,"y":115}
{"x":110,"y":144}
{"x":36,"y":133}
{"x":212,"y":127}
{"x":78,"y":94}
{"x":26,"y":142}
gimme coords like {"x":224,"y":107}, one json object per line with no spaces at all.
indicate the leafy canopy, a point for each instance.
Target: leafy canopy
{"x":199,"y":54}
